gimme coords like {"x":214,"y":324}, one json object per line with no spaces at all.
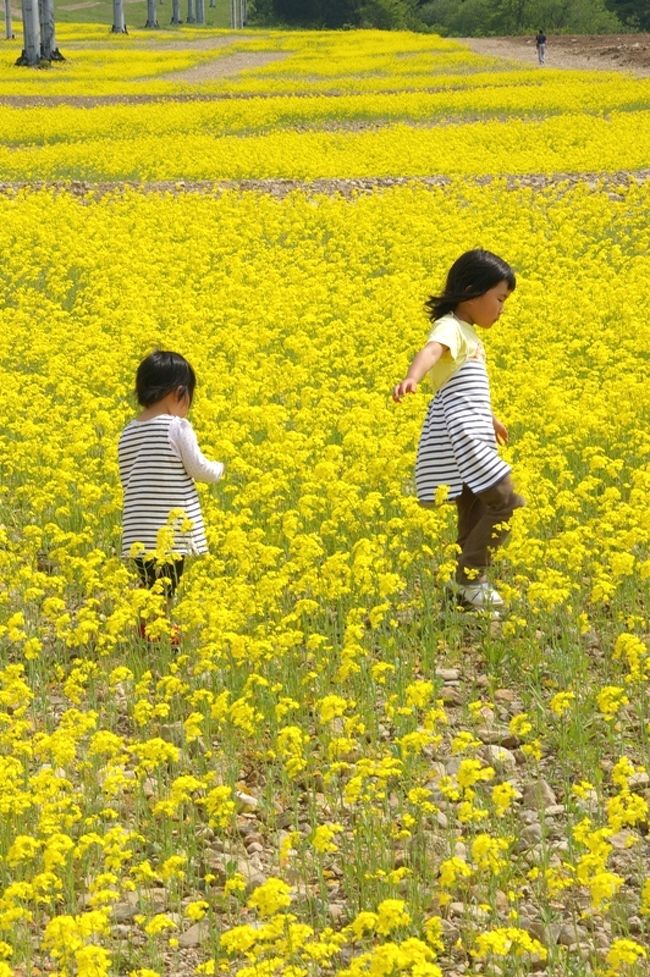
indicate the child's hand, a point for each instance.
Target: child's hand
{"x":408,"y":386}
{"x":500,"y":431}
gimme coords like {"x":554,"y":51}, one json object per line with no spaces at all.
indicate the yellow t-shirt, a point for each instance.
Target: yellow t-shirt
{"x":462,"y":344}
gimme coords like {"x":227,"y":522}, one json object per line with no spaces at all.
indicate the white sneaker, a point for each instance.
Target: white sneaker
{"x":481,"y":597}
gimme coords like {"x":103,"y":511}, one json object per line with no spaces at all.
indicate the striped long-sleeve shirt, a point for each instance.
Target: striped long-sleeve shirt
{"x":159,"y":459}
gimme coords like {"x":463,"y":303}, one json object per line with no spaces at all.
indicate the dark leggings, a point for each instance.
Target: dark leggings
{"x":150,"y":571}
{"x":483,"y":526}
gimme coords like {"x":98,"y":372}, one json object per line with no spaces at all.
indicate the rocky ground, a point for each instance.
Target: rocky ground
{"x":607,"y":52}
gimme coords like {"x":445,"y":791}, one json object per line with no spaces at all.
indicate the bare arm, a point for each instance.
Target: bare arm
{"x":500,"y":430}
{"x":422,"y":363}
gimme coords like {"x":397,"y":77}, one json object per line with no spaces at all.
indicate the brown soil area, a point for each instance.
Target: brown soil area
{"x":225,"y":67}
{"x":604,"y":52}
{"x":347,"y":187}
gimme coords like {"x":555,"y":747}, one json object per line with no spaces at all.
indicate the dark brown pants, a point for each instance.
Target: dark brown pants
{"x":150,"y":572}
{"x":483,"y":526}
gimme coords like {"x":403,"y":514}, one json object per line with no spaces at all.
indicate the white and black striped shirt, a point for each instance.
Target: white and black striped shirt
{"x":159,"y":459}
{"x":458,"y":445}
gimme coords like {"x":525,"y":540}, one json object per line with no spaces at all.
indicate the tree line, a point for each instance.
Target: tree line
{"x":447,"y":17}
{"x":458,"y":17}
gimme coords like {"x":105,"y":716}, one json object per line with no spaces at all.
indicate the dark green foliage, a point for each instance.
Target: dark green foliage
{"x":458,"y":17}
{"x":484,"y":17}
{"x":633,"y":13}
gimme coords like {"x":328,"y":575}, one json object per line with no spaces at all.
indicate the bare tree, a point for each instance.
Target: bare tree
{"x":39,"y":34}
{"x":199,"y":6}
{"x":152,"y":17}
{"x":9,"y":33}
{"x":236,"y":14}
{"x":119,"y":20}
{"x":49,"y":49}
{"x":191,"y":16}
{"x":31,"y":53}
{"x":176,"y":12}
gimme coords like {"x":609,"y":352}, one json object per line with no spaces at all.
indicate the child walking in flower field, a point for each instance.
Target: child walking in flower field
{"x":458,"y":444}
{"x":159,"y":458}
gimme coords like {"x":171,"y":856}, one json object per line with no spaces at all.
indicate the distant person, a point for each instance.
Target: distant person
{"x":540,"y":44}
{"x":458,"y":444}
{"x":159,"y":459}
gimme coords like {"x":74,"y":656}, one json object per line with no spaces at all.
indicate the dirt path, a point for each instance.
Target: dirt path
{"x":347,"y":187}
{"x":225,"y":67}
{"x":604,"y":52}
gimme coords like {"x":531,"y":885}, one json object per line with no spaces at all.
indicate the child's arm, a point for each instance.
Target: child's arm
{"x":197,"y":466}
{"x":422,"y":363}
{"x":500,"y":430}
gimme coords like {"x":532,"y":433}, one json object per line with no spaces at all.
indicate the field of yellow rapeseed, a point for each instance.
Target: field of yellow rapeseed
{"x":332,"y":774}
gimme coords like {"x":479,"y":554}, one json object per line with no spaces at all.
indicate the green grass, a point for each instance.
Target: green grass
{"x":101,"y":11}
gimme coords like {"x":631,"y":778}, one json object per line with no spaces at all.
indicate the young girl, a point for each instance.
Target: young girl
{"x":458,"y":444}
{"x":159,"y":458}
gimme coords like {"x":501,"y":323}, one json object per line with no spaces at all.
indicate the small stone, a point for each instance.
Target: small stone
{"x":437,"y":770}
{"x":547,"y":934}
{"x":252,"y":872}
{"x":554,"y":810}
{"x":450,"y":931}
{"x":126,"y":910}
{"x":501,"y":901}
{"x":195,"y":935}
{"x":499,"y":757}
{"x":622,"y":840}
{"x":149,"y":787}
{"x":532,"y":834}
{"x":498,"y":737}
{"x":157,"y":896}
{"x":570,"y":934}
{"x":538,"y":794}
{"x":253,"y":837}
{"x":254,"y":847}
{"x":450,"y":696}
{"x":448,"y":674}
{"x":246,"y":802}
{"x":639,"y":780}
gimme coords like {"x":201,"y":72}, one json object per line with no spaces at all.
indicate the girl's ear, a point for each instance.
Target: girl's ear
{"x":181,"y":393}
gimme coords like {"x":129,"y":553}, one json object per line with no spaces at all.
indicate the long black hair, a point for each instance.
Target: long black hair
{"x":470,"y":276}
{"x":161,"y":373}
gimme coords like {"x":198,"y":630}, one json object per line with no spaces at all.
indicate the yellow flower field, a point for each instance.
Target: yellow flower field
{"x":333,"y":774}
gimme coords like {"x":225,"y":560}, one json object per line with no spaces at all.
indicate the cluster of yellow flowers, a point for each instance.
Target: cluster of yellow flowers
{"x":332,"y":773}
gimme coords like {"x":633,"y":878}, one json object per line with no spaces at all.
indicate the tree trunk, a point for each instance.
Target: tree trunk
{"x":31,"y":53}
{"x":49,"y":50}
{"x":191,"y":19}
{"x":119,"y":20}
{"x":200,"y":11}
{"x":152,"y":18}
{"x":9,"y":33}
{"x":213,"y":3}
{"x":236,"y":14}
{"x":176,"y":12}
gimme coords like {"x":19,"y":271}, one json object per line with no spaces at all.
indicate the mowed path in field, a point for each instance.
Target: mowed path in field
{"x":628,"y":54}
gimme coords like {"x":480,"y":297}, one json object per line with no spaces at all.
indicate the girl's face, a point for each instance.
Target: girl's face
{"x":484,"y":310}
